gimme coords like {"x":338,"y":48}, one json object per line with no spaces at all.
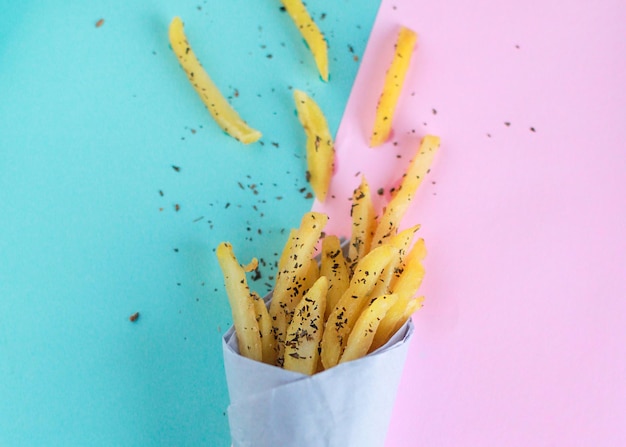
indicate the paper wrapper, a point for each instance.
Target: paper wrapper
{"x":348,"y":405}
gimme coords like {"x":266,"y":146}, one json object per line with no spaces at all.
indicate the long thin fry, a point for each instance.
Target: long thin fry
{"x":241,"y":303}
{"x":311,"y":34}
{"x":397,"y":207}
{"x":394,"y":80}
{"x":320,"y":149}
{"x":221,"y":111}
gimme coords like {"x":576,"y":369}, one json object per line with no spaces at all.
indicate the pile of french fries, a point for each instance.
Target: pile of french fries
{"x":344,"y":303}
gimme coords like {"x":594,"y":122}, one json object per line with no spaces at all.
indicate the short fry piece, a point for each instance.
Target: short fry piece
{"x":241,"y":303}
{"x":221,"y":111}
{"x":344,"y":315}
{"x":288,"y":289}
{"x":311,"y":34}
{"x":365,"y":327}
{"x":395,"y":317}
{"x":320,"y":150}
{"x":363,"y":218}
{"x":394,"y":79}
{"x":333,"y":266}
{"x":397,"y":207}
{"x":305,"y":330}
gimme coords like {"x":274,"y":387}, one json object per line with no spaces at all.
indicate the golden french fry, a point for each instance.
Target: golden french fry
{"x":265,"y":326}
{"x":241,"y":303}
{"x":284,"y":256}
{"x":409,"y":281}
{"x":386,"y":277}
{"x":403,"y":239}
{"x":288,"y":288}
{"x":411,"y":271}
{"x":346,"y":311}
{"x":312,"y":275}
{"x":364,"y":329}
{"x":393,"y":320}
{"x":320,"y":150}
{"x":397,"y":207}
{"x":333,"y":266}
{"x":394,"y":79}
{"x":363,"y":218}
{"x":221,"y":111}
{"x":306,"y":329}
{"x":311,"y":34}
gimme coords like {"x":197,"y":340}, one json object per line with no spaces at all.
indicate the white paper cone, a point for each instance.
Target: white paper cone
{"x":345,"y":406}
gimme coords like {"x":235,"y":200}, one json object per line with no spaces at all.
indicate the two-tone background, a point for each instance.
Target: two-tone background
{"x":115,"y":187}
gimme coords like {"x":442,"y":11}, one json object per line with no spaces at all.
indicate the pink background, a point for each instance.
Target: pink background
{"x":522,"y":338}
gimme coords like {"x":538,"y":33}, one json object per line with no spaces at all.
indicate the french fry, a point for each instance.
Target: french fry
{"x":363,"y":218}
{"x":397,"y":207}
{"x":290,"y":279}
{"x":393,"y":320}
{"x":386,"y":277}
{"x":346,"y":311}
{"x":402,"y":240}
{"x":241,"y":303}
{"x":411,"y":271}
{"x":333,"y":266}
{"x":394,"y":80}
{"x":311,"y":34}
{"x":362,"y":334}
{"x":312,"y":275}
{"x":284,"y":256}
{"x":219,"y":108}
{"x":306,"y":329}
{"x":265,"y":326}
{"x":320,"y":150}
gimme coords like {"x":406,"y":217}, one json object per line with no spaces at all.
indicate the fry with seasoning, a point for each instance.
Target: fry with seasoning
{"x":219,"y":108}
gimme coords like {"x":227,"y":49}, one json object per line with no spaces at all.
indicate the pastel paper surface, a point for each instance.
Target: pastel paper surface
{"x":349,"y":404}
{"x":521,"y":338}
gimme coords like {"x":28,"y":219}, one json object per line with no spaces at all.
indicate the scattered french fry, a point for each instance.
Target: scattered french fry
{"x":219,"y":108}
{"x":394,"y":80}
{"x":311,"y":34}
{"x":305,"y":330}
{"x":397,"y":207}
{"x":241,"y":303}
{"x":320,"y":150}
{"x":362,"y":334}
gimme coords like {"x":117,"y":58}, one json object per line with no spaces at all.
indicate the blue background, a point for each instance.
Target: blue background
{"x":93,"y":123}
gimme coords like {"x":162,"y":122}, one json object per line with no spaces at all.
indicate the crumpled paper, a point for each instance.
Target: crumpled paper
{"x":345,"y":406}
